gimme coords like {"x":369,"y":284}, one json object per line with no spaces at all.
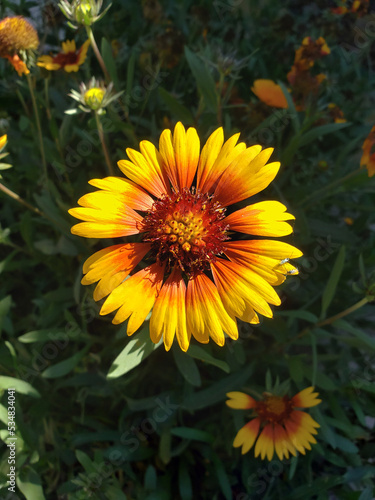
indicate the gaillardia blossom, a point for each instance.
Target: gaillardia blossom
{"x":70,"y":59}
{"x":199,"y":273}
{"x":284,"y":429}
{"x":18,"y":38}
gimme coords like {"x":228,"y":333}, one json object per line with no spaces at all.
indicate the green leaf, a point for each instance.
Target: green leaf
{"x":5,"y":304}
{"x":19,"y":385}
{"x":165,"y":446}
{"x":137,"y":349}
{"x":184,"y":482}
{"x":216,"y":392}
{"x":187,"y":367}
{"x":330,"y":289}
{"x":300,"y":314}
{"x":130,"y":72}
{"x":109,"y":61}
{"x":204,"y":79}
{"x":193,"y":434}
{"x":320,"y":485}
{"x":318,"y":132}
{"x":114,"y":492}
{"x":222,"y":477}
{"x":42,"y":336}
{"x":179,"y":111}
{"x":150,"y":478}
{"x":85,"y":461}
{"x":367,"y":494}
{"x":64,"y":367}
{"x":357,"y":332}
{"x":199,"y":353}
{"x":29,"y":483}
{"x":345,"y":444}
{"x":296,"y":368}
{"x":292,"y":112}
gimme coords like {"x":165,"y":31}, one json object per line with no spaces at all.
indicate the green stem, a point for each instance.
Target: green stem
{"x":39,"y":128}
{"x":98,"y":55}
{"x":344,"y":313}
{"x":18,"y":198}
{"x":104,"y":146}
{"x":22,"y":100}
{"x":329,"y":187}
{"x":332,"y":319}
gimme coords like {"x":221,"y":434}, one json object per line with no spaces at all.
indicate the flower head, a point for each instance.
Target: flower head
{"x":84,"y":12}
{"x":368,"y":156}
{"x":270,"y":93}
{"x":18,"y":40}
{"x":17,"y":34}
{"x":284,"y":429}
{"x":198,"y":276}
{"x":309,"y":52}
{"x":358,"y":7}
{"x":93,"y":97}
{"x":69,"y":59}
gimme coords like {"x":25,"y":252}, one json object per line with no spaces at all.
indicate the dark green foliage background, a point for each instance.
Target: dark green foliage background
{"x":162,"y":430}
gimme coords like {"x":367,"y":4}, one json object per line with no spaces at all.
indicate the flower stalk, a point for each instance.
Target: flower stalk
{"x":104,"y":146}
{"x":38,"y":126}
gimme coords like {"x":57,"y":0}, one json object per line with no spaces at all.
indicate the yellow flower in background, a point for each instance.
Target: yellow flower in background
{"x":176,"y":199}
{"x":368,"y":156}
{"x":281,"y":427}
{"x":270,"y":93}
{"x":18,"y":40}
{"x":3,"y":141}
{"x":70,"y":59}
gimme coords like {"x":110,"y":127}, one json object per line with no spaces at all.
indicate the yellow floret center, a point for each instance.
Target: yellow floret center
{"x":94,"y":97}
{"x":275,"y":405}
{"x":185,"y":229}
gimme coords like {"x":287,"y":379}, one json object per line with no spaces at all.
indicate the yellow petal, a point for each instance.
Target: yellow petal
{"x":169,"y":316}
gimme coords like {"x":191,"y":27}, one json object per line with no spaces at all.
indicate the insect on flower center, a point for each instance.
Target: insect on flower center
{"x":186,"y":229}
{"x":274,"y":408}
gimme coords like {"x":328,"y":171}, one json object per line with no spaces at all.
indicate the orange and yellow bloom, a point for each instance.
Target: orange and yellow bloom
{"x":270,"y":93}
{"x":17,"y":38}
{"x":277,"y":425}
{"x":70,"y":59}
{"x":199,"y":275}
{"x":368,"y":156}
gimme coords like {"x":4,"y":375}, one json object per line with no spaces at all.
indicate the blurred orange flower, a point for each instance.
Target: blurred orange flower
{"x":70,"y":59}
{"x":359,"y":7}
{"x":17,"y":36}
{"x":309,"y":52}
{"x":270,"y":93}
{"x":18,"y":64}
{"x":368,"y":157}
